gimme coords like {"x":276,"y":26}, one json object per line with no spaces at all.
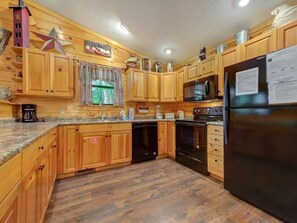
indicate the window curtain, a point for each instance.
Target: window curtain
{"x":89,"y":72}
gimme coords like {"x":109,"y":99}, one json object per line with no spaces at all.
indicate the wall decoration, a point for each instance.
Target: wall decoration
{"x":21,"y":15}
{"x":4,"y":37}
{"x":97,"y":48}
{"x":52,"y":41}
{"x":202,"y":54}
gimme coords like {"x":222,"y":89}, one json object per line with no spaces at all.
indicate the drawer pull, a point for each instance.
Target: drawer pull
{"x":216,"y":150}
{"x":216,"y":140}
{"x":216,"y":161}
{"x":216,"y":130}
{"x":41,"y":147}
{"x":41,"y":167}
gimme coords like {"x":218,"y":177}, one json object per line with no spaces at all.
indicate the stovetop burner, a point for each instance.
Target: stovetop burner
{"x":207,"y":114}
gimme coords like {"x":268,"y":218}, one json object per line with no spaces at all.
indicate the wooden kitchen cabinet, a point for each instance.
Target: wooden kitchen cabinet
{"x":136,"y":85}
{"x":227,"y":58}
{"x":35,"y":72}
{"x":215,"y":151}
{"x":168,"y":87}
{"x":162,"y":139}
{"x":209,"y":66}
{"x":153,"y":86}
{"x":29,"y":195}
{"x":180,"y":85}
{"x":192,"y":72}
{"x":61,"y":75}
{"x":171,"y":139}
{"x":120,"y":147}
{"x":94,"y":150}
{"x":52,"y":165}
{"x":47,"y":74}
{"x":260,"y":45}
{"x":10,"y":207}
{"x":68,"y":149}
{"x":287,"y":35}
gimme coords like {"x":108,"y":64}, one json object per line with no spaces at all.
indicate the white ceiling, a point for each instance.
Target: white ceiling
{"x":183,"y":25}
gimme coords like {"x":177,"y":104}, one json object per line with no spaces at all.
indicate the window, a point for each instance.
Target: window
{"x":102,"y":92}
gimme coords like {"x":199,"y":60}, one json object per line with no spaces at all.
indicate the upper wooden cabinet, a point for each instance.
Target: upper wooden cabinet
{"x":180,"y":85}
{"x":143,"y":85}
{"x":209,"y":66}
{"x":153,"y":86}
{"x":168,"y":87}
{"x":47,"y":74}
{"x":260,"y":45}
{"x":287,"y":35}
{"x":192,"y":72}
{"x":227,"y":58}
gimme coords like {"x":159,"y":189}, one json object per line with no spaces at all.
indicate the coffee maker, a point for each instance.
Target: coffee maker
{"x":29,"y":113}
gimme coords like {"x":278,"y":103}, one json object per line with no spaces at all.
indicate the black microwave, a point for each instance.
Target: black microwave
{"x":203,"y":89}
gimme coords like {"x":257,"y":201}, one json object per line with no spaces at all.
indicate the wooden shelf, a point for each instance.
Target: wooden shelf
{"x":17,"y":79}
{"x":18,"y":65}
{"x":17,"y":50}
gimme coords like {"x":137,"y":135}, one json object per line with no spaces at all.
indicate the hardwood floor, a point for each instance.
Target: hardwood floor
{"x":155,"y":191}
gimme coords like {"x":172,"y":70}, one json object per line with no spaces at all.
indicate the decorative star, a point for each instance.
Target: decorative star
{"x":18,"y":17}
{"x":52,"y":41}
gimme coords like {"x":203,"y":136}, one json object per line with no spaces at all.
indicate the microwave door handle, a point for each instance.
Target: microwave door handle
{"x":206,"y":87}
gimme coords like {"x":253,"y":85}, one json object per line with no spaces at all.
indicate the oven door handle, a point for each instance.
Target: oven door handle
{"x":193,"y":158}
{"x":190,"y":124}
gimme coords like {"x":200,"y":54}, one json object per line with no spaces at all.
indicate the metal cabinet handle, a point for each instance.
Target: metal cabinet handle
{"x":41,"y":147}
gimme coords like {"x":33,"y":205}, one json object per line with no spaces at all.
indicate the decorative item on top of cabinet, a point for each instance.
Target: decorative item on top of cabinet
{"x":168,"y":87}
{"x":202,"y":54}
{"x":209,"y":66}
{"x":192,"y":72}
{"x":47,"y":74}
{"x":215,"y":151}
{"x":260,"y":45}
{"x":287,"y":35}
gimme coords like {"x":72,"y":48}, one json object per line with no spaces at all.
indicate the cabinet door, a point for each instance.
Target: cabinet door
{"x":180,"y":85}
{"x":10,"y":207}
{"x":36,"y":72}
{"x":192,"y":72}
{"x":227,"y":58}
{"x":171,"y":139}
{"x":94,"y":150}
{"x":69,"y":149}
{"x":120,"y":147}
{"x":61,"y":75}
{"x":168,"y":87}
{"x":153,"y":89}
{"x":42,"y":185}
{"x":137,"y":90}
{"x":287,"y":35}
{"x":52,"y":166}
{"x":162,"y":139}
{"x":261,"y":45}
{"x":209,"y":66}
{"x":29,"y":196}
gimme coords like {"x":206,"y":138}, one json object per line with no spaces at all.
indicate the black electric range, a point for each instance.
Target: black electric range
{"x":191,"y":138}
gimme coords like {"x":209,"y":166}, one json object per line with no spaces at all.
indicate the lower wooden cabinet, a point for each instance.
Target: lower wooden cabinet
{"x":10,"y":207}
{"x":120,"y":147}
{"x":162,"y":139}
{"x":215,"y":151}
{"x":171,"y":139}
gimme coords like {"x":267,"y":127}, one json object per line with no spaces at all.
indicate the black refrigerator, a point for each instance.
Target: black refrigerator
{"x":260,"y":132}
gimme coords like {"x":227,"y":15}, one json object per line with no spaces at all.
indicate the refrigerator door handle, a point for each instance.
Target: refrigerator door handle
{"x":226,"y":125}
{"x":226,"y":91}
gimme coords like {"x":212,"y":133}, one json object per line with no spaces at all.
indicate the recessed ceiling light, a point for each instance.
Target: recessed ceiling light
{"x":243,"y":3}
{"x":124,"y":28}
{"x":168,"y":51}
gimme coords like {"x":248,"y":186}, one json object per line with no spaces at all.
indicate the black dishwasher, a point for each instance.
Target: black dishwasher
{"x":144,"y":141}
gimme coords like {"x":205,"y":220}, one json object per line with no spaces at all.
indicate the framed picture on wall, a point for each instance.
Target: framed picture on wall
{"x":97,"y":48}
{"x":4,"y":37}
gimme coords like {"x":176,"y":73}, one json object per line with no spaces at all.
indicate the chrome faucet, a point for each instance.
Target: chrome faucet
{"x":101,"y":111}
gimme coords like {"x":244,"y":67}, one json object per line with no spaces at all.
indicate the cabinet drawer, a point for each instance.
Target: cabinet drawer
{"x":215,"y":139}
{"x":215,"y":165}
{"x":10,"y":174}
{"x":121,"y":126}
{"x":215,"y":150}
{"x":94,"y":128}
{"x":50,"y":137}
{"x":31,"y":153}
{"x":214,"y":129}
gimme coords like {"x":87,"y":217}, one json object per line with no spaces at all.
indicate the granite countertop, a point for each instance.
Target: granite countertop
{"x":15,"y":136}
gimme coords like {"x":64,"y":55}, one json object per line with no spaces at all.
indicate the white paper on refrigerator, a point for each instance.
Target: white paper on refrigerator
{"x":247,"y":82}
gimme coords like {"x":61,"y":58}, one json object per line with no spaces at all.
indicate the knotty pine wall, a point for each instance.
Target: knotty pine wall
{"x":75,"y":33}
